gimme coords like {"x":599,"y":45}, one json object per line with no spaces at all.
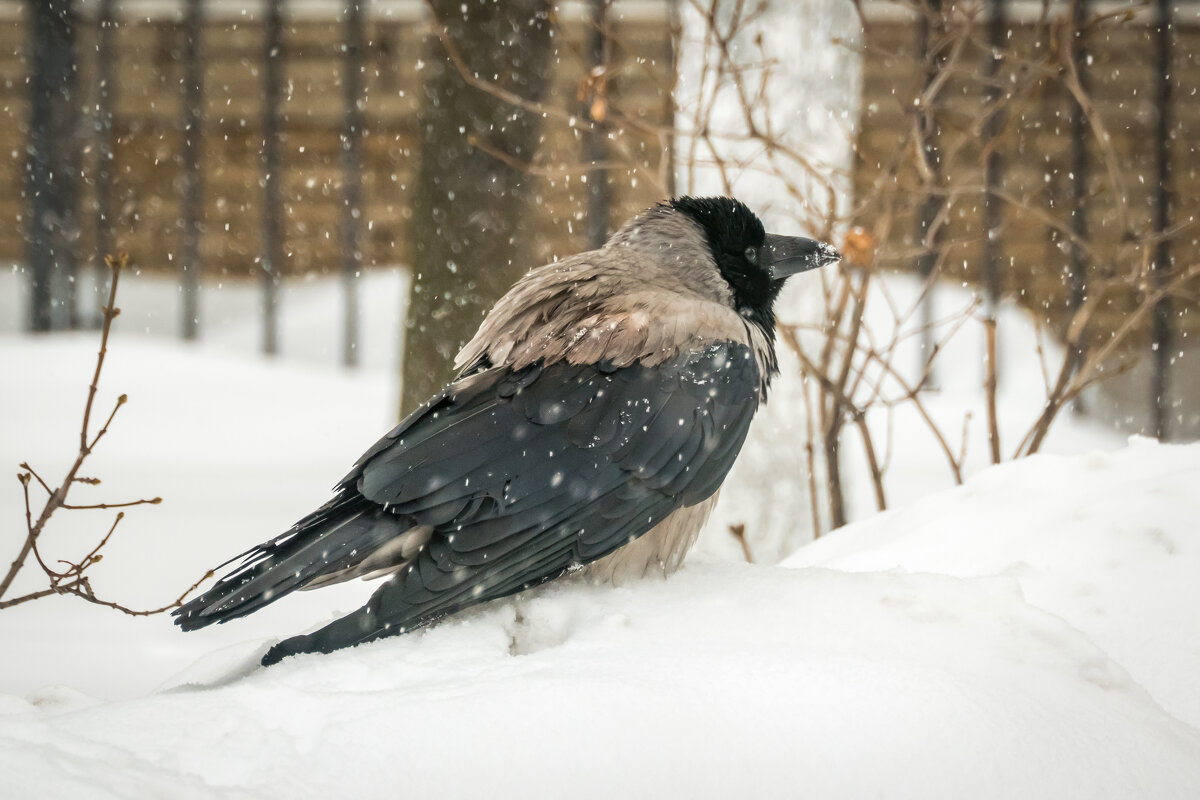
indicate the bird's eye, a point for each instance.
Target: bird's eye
{"x":752,"y":255}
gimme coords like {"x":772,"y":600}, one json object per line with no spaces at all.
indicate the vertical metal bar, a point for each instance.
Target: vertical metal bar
{"x":272,"y":234}
{"x":70,"y":132}
{"x":1079,"y":160}
{"x":594,"y":145}
{"x":105,"y":144}
{"x":193,"y":138}
{"x":1080,"y":166}
{"x":352,"y":122}
{"x":930,"y":255}
{"x":51,"y":166}
{"x":1163,"y":334}
{"x":675,"y":36}
{"x":993,"y":124}
{"x":38,"y":167}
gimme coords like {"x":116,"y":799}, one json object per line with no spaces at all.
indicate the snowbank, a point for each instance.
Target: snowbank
{"x":729,"y":681}
{"x":1031,"y":634}
{"x":1108,"y":542}
{"x":238,"y":448}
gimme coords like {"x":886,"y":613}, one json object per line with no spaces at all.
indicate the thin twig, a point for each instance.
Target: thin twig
{"x":83,"y":590}
{"x":25,"y":598}
{"x":738,"y":531}
{"x":110,"y":312}
{"x":73,"y":580}
{"x":989,"y":388}
{"x":25,"y":466}
{"x":151,"y":502}
{"x":94,"y":555}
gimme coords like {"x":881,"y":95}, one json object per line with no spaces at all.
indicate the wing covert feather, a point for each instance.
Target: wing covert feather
{"x":522,"y":474}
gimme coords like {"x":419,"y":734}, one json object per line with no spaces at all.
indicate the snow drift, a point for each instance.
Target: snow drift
{"x":1029,"y":634}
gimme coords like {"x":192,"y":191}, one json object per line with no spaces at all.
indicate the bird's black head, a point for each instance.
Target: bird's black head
{"x":753,"y":262}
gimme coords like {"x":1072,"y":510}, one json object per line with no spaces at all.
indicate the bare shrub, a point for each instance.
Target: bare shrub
{"x":70,"y":577}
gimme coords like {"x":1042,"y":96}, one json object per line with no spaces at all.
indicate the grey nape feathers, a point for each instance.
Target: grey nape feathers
{"x":594,"y":416}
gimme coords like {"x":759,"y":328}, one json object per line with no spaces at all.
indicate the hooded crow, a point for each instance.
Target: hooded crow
{"x":592,"y":420}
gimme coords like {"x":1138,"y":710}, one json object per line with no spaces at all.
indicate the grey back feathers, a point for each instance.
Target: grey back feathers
{"x":651,"y":291}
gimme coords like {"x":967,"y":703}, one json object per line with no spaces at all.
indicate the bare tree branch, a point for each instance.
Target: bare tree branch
{"x":73,"y":580}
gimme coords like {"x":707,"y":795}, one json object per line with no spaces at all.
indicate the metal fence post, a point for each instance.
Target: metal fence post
{"x":1163,"y":313}
{"x":1079,"y":160}
{"x":105,"y":140}
{"x":930,"y":255}
{"x":52,"y":167}
{"x":272,"y":217}
{"x":594,"y":145}
{"x":993,"y":124}
{"x":352,"y":123}
{"x":193,"y":142}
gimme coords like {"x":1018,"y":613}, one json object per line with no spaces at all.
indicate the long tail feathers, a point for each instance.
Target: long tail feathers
{"x":331,"y":544}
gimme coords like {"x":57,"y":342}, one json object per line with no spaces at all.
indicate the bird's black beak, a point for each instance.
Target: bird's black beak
{"x":782,"y":256}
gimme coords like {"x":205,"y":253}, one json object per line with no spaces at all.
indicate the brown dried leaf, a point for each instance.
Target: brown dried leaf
{"x":859,"y":248}
{"x":599,"y":109}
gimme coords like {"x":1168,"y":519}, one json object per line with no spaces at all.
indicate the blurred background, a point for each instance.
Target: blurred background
{"x":347,"y":185}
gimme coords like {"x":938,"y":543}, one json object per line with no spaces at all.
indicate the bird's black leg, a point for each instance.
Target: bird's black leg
{"x":356,"y":628}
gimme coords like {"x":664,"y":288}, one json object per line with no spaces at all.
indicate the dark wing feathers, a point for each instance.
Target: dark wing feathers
{"x":522,"y":474}
{"x":625,"y":427}
{"x":339,"y":535}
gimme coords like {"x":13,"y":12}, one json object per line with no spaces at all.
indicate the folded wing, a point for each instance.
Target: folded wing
{"x":507,"y":479}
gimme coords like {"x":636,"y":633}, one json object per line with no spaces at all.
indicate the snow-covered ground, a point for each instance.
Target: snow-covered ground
{"x":1032,"y":633}
{"x":1108,"y":543}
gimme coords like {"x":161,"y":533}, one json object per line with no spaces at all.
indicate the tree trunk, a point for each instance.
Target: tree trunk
{"x":53,"y":227}
{"x":468,"y":240}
